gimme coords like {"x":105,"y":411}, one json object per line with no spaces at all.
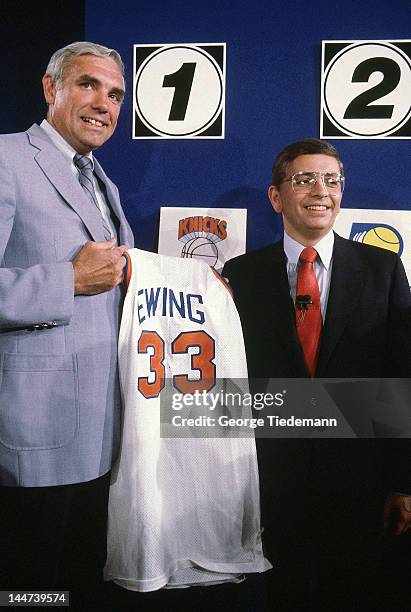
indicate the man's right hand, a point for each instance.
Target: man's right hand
{"x":98,"y":267}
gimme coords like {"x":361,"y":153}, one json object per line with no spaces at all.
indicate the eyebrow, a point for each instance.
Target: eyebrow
{"x":87,"y":77}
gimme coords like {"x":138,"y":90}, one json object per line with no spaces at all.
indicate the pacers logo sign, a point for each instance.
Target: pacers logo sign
{"x":179,"y":91}
{"x":386,"y":229}
{"x":366,"y":89}
{"x":378,"y":234}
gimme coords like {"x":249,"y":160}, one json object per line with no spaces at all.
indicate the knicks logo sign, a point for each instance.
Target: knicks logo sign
{"x":378,"y":234}
{"x":200,"y":235}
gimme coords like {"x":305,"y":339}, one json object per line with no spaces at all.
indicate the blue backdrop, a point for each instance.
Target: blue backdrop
{"x":273,"y":97}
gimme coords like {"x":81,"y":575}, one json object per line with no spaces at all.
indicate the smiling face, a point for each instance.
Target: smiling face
{"x":85,"y":105}
{"x":307,"y":217}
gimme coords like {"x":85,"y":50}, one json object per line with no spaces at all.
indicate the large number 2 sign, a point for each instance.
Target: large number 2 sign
{"x":363,"y":107}
{"x":202,"y":362}
{"x":366,"y":89}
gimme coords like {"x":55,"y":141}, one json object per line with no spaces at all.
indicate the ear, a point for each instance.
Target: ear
{"x":275,"y":198}
{"x":49,"y":89}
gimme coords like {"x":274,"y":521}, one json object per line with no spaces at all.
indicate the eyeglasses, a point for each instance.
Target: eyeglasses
{"x":303,"y":182}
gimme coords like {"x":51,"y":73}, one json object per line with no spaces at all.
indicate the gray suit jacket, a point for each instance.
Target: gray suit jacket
{"x":59,"y":394}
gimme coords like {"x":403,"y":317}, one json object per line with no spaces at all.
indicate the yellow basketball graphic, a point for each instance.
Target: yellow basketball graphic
{"x":383,"y":237}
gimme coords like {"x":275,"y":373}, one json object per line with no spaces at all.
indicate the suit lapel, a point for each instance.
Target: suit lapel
{"x":55,"y":167}
{"x":347,"y":282}
{"x":280,"y":307}
{"x":114,"y":202}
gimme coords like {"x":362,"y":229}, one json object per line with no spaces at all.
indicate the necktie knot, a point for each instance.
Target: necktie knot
{"x":308,"y":255}
{"x":83,"y":163}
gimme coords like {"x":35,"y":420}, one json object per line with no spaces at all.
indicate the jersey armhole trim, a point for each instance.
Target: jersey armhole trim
{"x":128,"y":269}
{"x":223,"y":282}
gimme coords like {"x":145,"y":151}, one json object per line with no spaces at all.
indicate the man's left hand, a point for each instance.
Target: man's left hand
{"x":397,"y":514}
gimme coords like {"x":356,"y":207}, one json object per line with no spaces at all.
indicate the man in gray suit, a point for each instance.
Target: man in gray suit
{"x":60,"y":301}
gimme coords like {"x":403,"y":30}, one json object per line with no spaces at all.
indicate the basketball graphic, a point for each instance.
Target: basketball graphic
{"x":200,"y":235}
{"x":201,"y":248}
{"x":383,"y":237}
{"x":378,"y":234}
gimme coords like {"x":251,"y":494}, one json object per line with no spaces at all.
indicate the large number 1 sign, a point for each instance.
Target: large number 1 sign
{"x":179,"y":91}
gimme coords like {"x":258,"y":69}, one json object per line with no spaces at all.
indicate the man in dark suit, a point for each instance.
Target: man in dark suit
{"x":62,"y":236}
{"x":323,"y":500}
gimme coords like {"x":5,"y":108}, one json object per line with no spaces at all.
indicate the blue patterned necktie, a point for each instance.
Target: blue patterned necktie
{"x":85,"y":166}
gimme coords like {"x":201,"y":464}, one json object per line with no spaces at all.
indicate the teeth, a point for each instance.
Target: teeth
{"x":92,"y":121}
{"x":316,"y":207}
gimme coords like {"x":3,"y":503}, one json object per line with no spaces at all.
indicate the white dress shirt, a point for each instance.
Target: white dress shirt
{"x":322,"y":265}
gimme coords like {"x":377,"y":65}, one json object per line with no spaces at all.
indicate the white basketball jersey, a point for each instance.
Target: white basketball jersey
{"x":182,"y":511}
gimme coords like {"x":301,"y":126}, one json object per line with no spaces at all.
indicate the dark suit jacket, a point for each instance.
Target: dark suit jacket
{"x":368,"y":307}
{"x":366,"y":334}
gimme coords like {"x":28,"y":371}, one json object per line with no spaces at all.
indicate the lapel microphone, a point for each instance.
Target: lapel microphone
{"x":302,"y":302}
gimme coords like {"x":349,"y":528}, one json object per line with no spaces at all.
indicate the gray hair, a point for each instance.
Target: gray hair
{"x":62,"y":57}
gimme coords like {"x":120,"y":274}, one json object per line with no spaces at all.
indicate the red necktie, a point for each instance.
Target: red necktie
{"x":308,"y":309}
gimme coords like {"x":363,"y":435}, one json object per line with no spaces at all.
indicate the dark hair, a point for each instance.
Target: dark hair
{"x":309,"y":146}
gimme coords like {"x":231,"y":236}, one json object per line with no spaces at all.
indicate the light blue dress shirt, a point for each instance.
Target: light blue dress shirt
{"x":67,"y":150}
{"x":322,"y":266}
